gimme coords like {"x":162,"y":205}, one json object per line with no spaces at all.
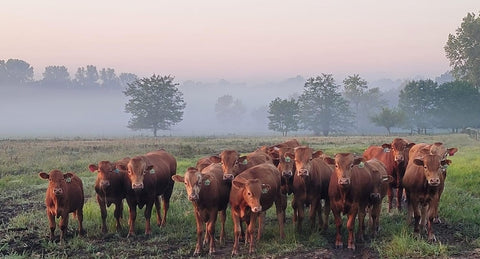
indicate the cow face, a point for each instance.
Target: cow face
{"x":379,"y":180}
{"x":251,"y":191}
{"x":303,"y":160}
{"x":57,"y":181}
{"x":105,"y":171}
{"x":230,"y":160}
{"x":137,"y":168}
{"x":400,"y":148}
{"x":432,"y":168}
{"x":344,"y":164}
{"x":286,"y":164}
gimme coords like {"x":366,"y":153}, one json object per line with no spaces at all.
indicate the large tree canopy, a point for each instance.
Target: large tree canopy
{"x":283,"y":115}
{"x":323,"y":108}
{"x":463,"y":50}
{"x":155,"y":103}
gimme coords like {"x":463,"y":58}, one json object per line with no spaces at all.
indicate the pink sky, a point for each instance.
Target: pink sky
{"x":235,"y":40}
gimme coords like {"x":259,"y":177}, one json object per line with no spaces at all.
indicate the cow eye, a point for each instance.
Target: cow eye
{"x":425,"y":167}
{"x":351,"y":166}
{"x":249,"y":193}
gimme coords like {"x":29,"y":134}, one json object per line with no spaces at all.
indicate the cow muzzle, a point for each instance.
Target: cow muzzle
{"x":228,"y":177}
{"x":256,"y":209}
{"x":137,"y":186}
{"x":193,"y":197}
{"x":104,"y":183}
{"x":375,"y":196}
{"x":303,"y":172}
{"x":287,"y":174}
{"x":434,"y":182}
{"x":58,"y":191}
{"x":344,"y":181}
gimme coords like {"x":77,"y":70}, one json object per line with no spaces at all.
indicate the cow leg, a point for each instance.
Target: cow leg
{"x":63,"y":224}
{"x":199,"y":221}
{"x":103,"y":213}
{"x":326,"y":213}
{"x":237,"y":232}
{"x":118,"y":214}
{"x":261,"y":224}
{"x":350,"y":228}
{"x":148,"y":215}
{"x":158,"y":210}
{"x":132,"y":210}
{"x":361,"y":223}
{"x":312,"y":214}
{"x":280,"y":206}
{"x":166,"y":202}
{"x":300,"y":215}
{"x":431,"y":235}
{"x":375,"y":218}
{"x":338,"y":224}
{"x":295,"y":210}
{"x":223,"y":216}
{"x":416,"y":216}
{"x":51,"y":222}
{"x":399,"y":196}
{"x":251,"y":230}
{"x":211,"y":231}
{"x":390,"y":198}
{"x":81,"y":230}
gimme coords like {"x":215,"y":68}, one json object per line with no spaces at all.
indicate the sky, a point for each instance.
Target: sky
{"x":235,"y":40}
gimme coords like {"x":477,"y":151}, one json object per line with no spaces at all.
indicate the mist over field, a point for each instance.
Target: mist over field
{"x":39,"y":112}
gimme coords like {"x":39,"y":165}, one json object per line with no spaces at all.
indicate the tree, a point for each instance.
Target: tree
{"x":87,"y":77}
{"x":155,"y":103}
{"x":228,"y":110}
{"x":463,"y":50}
{"x":127,"y":78}
{"x":388,"y":118}
{"x":56,"y":76}
{"x":324,"y":110}
{"x":417,"y":100}
{"x":18,"y":72}
{"x":284,"y":115}
{"x":458,"y":106}
{"x":109,"y":78}
{"x":354,"y":87}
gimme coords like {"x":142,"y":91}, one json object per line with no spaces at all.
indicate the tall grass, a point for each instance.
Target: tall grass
{"x":21,"y":160}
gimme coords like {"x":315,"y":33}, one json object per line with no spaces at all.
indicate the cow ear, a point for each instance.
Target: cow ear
{"x":452,"y":151}
{"x":93,"y":168}
{"x":329,"y":160}
{"x":265,"y":188}
{"x":243,"y":160}
{"x":150,"y":169}
{"x":206,"y":179}
{"x":386,"y":145}
{"x":239,"y":182}
{"x":446,"y":162}
{"x":122,"y":167}
{"x":43,"y":175}
{"x":387,"y":178}
{"x":319,"y":153}
{"x":358,"y":160}
{"x":178,"y":178}
{"x":215,"y":159}
{"x":418,"y":161}
{"x":67,"y":175}
{"x":410,"y":145}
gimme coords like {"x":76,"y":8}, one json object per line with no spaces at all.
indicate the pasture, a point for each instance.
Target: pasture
{"x":24,"y":227}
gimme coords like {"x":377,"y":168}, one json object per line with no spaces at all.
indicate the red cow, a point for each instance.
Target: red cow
{"x":395,"y":158}
{"x":310,"y":186}
{"x":110,"y":188}
{"x":64,"y":195}
{"x":286,"y":166}
{"x":423,"y":182}
{"x":350,"y":189}
{"x":253,"y":192}
{"x":149,"y":176}
{"x":233,"y":163}
{"x":272,"y":150}
{"x":209,"y":194}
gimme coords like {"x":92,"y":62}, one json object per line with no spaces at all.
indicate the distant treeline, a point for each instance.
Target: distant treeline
{"x":16,"y":72}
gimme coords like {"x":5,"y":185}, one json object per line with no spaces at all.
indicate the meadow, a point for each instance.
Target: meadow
{"x":24,"y":227}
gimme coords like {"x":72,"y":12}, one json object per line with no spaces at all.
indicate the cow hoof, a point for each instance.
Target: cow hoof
{"x":82,"y":233}
{"x":437,"y":220}
{"x":339,"y":246}
{"x":196,"y":253}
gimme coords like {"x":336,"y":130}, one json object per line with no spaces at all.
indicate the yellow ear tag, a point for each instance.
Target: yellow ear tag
{"x":206,"y":182}
{"x":287,"y":159}
{"x":152,"y":171}
{"x":361,"y":165}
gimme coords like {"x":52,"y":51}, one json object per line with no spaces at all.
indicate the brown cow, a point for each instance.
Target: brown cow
{"x":209,"y":195}
{"x":310,"y":186}
{"x":253,"y":192}
{"x":272,"y":150}
{"x":110,"y":188}
{"x":149,"y":176}
{"x":64,"y":195}
{"x":286,"y":166}
{"x":423,"y":181}
{"x":233,"y":163}
{"x":350,"y":188}
{"x":395,"y":158}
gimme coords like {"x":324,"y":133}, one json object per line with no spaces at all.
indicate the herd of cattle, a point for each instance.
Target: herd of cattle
{"x":344,"y":184}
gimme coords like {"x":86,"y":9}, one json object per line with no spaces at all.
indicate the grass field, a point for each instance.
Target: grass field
{"x":24,"y":227}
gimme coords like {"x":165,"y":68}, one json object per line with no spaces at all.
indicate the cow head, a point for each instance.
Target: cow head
{"x":136,"y":169}
{"x":380,"y":179}
{"x":105,"y":171}
{"x":344,"y":165}
{"x":400,"y":148}
{"x":432,"y":168}
{"x":251,"y":191}
{"x":286,"y":161}
{"x":303,"y":160}
{"x":57,"y":181}
{"x":232,"y":163}
{"x":193,"y":180}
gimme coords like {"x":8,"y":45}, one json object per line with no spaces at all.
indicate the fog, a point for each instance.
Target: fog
{"x":66,"y":113}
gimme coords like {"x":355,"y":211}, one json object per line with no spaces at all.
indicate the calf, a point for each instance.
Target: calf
{"x":395,"y":158}
{"x":310,"y":186}
{"x":233,"y":163}
{"x":350,"y":189}
{"x":64,"y":195}
{"x":149,"y":176}
{"x":209,"y":195}
{"x":272,"y":150}
{"x":286,"y":167}
{"x":253,"y":192}
{"x":423,"y":182}
{"x":110,"y":189}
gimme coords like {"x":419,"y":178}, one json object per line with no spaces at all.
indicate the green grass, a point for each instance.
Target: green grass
{"x":22,"y":190}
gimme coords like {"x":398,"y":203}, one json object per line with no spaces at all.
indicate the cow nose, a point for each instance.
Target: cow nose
{"x":58,"y":191}
{"x":105,"y":183}
{"x":303,"y":172}
{"x":344,"y":181}
{"x":257,"y":209}
{"x":137,"y":186}
{"x":287,"y":174}
{"x":228,"y":177}
{"x":434,"y":182}
{"x":193,"y":197}
{"x":399,"y":159}
{"x":375,"y":196}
